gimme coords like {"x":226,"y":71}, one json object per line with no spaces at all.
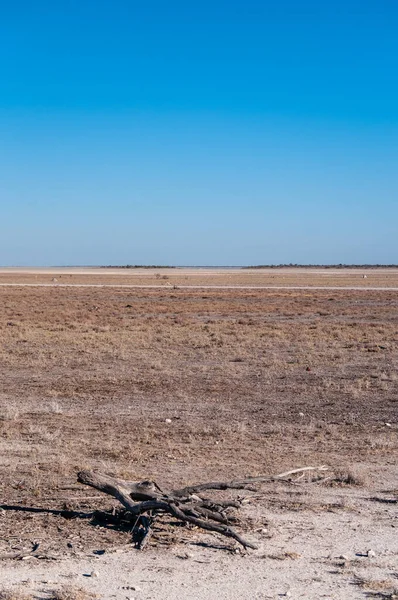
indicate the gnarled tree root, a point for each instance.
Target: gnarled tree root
{"x":145,"y":498}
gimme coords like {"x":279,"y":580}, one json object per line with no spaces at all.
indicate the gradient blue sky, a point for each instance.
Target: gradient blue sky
{"x":239,"y":132}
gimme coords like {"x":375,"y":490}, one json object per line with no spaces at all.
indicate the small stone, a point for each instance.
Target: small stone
{"x":134,"y":588}
{"x":371,"y":553}
{"x":388,"y":424}
{"x":168,"y":421}
{"x":301,"y":414}
{"x":94,"y":574}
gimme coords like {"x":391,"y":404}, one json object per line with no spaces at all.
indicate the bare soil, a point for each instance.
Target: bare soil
{"x":184,"y":386}
{"x":168,"y":277}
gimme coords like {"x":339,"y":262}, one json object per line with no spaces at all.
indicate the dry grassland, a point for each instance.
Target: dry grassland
{"x":167,"y":277}
{"x":184,"y":386}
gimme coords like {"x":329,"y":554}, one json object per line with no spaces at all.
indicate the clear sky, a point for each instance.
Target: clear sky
{"x":212,"y":132}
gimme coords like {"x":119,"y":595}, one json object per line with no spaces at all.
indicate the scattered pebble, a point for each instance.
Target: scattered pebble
{"x":371,"y":553}
{"x":134,"y":588}
{"x":388,"y":424}
{"x":184,"y":556}
{"x":168,"y":421}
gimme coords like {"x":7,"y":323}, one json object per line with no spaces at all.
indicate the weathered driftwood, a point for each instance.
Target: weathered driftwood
{"x":146,"y":499}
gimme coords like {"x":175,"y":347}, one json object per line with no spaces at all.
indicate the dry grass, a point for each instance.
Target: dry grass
{"x":348,"y":476}
{"x":70,"y":593}
{"x":378,"y":588}
{"x":64,"y":593}
{"x":253,"y":382}
{"x":181,"y":277}
{"x":14,"y":595}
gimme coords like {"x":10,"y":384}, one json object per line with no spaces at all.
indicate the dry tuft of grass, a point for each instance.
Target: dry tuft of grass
{"x":349,"y":476}
{"x":14,"y":595}
{"x":71,"y":593}
{"x":378,"y":588}
{"x":64,"y":593}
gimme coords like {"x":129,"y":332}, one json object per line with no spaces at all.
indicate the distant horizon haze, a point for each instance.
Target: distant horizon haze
{"x":128,"y":267}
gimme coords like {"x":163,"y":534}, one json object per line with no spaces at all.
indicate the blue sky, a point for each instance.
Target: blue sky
{"x":198,"y":133}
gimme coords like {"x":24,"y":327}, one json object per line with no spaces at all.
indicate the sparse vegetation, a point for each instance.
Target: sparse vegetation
{"x":15,"y":595}
{"x":315,"y":266}
{"x":72,"y":593}
{"x":185,"y":385}
{"x":63,"y":593}
{"x":137,"y":267}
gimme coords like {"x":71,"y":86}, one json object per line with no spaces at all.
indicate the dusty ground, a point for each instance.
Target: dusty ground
{"x":253,"y":382}
{"x":204,"y":276}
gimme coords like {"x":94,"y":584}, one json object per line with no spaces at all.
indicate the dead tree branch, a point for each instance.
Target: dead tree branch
{"x":185,"y":504}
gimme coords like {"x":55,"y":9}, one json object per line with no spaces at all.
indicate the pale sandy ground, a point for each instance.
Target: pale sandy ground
{"x":203,"y":277}
{"x":195,"y":270}
{"x":204,"y":287}
{"x":316,"y":548}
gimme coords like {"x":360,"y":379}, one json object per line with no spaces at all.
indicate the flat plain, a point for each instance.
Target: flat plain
{"x":186,"y":385}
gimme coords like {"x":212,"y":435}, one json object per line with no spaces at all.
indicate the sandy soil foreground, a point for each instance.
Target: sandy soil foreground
{"x":313,"y":543}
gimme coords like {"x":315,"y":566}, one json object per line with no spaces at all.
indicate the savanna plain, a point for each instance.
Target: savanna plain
{"x":183,"y":384}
